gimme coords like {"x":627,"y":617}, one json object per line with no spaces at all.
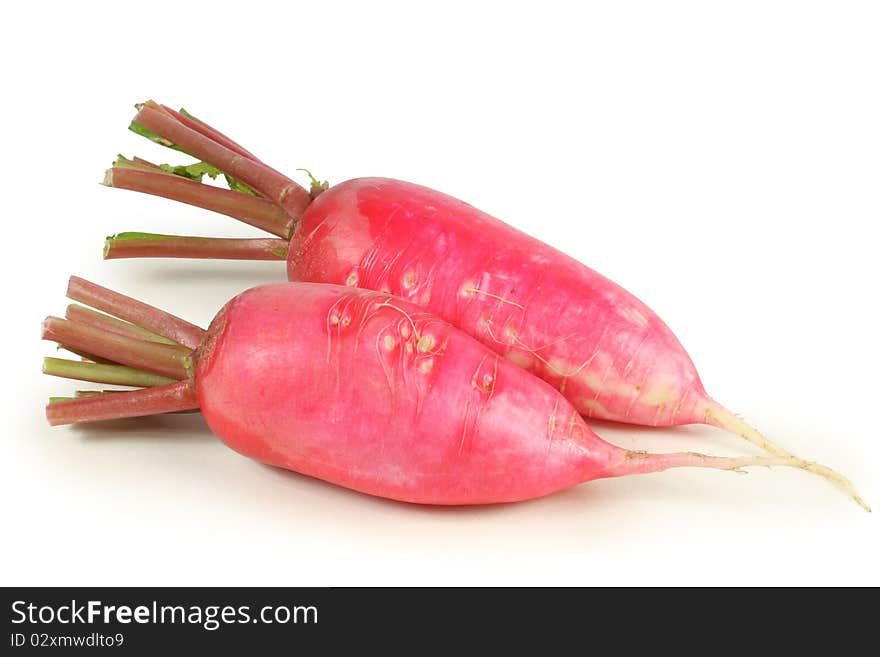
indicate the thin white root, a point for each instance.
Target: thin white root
{"x":635,"y":462}
{"x":720,"y":417}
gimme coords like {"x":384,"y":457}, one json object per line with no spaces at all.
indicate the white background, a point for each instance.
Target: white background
{"x":721,"y":160}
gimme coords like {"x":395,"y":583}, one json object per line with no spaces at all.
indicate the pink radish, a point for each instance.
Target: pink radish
{"x":358,"y":388}
{"x":609,"y":354}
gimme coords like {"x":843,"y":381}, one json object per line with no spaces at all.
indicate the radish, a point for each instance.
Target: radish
{"x":609,"y":354}
{"x":355,"y":387}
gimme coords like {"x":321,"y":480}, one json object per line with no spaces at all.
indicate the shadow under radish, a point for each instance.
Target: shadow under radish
{"x":236,"y":274}
{"x":176,"y":428}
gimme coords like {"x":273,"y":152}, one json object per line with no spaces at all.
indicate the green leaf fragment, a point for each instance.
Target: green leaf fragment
{"x":192,"y":171}
{"x":122,"y":162}
{"x":318,"y":186}
{"x":129,"y":237}
{"x":133,"y":235}
{"x":188,"y":115}
{"x":238,"y":186}
{"x":315,"y":181}
{"x":138,"y":129}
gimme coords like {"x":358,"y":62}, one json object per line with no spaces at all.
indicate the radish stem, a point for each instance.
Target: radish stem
{"x":89,"y":317}
{"x":164,"y":359}
{"x":200,"y":126}
{"x":253,"y":210}
{"x":86,"y":356}
{"x":101,"y":373}
{"x":149,"y":245}
{"x":136,"y":312}
{"x":79,"y":394}
{"x":179,"y":396}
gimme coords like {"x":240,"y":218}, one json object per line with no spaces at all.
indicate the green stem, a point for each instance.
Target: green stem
{"x":136,"y":312}
{"x":149,"y":245}
{"x":101,"y":373}
{"x":167,"y":360}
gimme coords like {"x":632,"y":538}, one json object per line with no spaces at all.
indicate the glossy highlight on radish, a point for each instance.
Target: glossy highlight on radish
{"x":609,"y":354}
{"x":355,"y":387}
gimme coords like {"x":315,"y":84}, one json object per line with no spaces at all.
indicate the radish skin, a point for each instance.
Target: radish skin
{"x":607,"y":352}
{"x":373,"y":393}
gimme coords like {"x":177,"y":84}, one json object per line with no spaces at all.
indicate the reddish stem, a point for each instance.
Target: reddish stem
{"x":136,"y":312}
{"x":253,"y":210}
{"x":165,"y":359}
{"x":200,"y":126}
{"x":179,"y":396}
{"x":78,"y":394}
{"x":292,"y":197}
{"x":147,"y":245}
{"x":87,"y":357}
{"x":93,"y":318}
